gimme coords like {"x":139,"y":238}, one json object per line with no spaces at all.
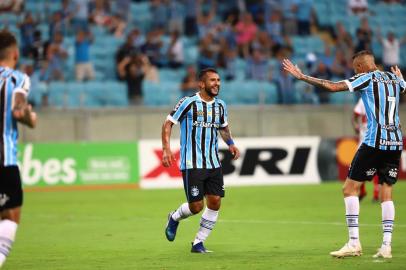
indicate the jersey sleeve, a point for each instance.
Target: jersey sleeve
{"x":180,"y":110}
{"x":23,"y":85}
{"x":358,"y":82}
{"x":223,"y":115}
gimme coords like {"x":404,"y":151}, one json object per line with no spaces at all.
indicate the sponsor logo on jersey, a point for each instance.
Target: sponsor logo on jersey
{"x":390,"y":143}
{"x":205,"y":124}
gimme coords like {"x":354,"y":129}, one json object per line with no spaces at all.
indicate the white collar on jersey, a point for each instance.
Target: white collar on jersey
{"x":208,"y":102}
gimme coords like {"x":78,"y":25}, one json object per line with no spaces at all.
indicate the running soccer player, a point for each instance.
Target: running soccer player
{"x":359,"y":122}
{"x":14,"y":87}
{"x":381,"y":149}
{"x":201,"y":117}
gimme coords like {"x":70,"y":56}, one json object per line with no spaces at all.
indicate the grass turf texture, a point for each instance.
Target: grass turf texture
{"x":274,"y":227}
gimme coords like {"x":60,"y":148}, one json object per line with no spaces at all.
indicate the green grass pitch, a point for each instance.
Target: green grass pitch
{"x":273,"y":227}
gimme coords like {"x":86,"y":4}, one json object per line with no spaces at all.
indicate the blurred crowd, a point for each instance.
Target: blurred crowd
{"x":224,"y":32}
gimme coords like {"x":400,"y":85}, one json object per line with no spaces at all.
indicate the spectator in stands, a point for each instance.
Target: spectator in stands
{"x":56,"y":56}
{"x":127,"y":48}
{"x":274,"y":26}
{"x":123,"y":9}
{"x":390,"y":49}
{"x":205,"y":20}
{"x":38,"y":49}
{"x":357,"y":7}
{"x":324,"y":73}
{"x":57,"y":24}
{"x":246,"y":31}
{"x":116,"y":25}
{"x":67,"y":11}
{"x":327,"y":58}
{"x":15,"y":6}
{"x":131,"y":69}
{"x":257,"y":67}
{"x":364,"y":36}
{"x":342,"y":65}
{"x":175,"y":51}
{"x":190,"y":23}
{"x":285,"y":87}
{"x":304,"y":13}
{"x":190,"y":83}
{"x":100,"y":15}
{"x":175,"y":16}
{"x":83,"y":66}
{"x":152,"y":47}
{"x":262,"y":42}
{"x":343,"y":39}
{"x":227,"y":59}
{"x":159,"y":14}
{"x":289,"y":9}
{"x":208,"y":50}
{"x":80,"y":15}
{"x":27,"y":29}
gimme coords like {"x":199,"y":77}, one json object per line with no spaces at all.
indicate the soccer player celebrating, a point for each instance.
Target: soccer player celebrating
{"x":201,"y":116}
{"x":381,"y":149}
{"x":14,"y":87}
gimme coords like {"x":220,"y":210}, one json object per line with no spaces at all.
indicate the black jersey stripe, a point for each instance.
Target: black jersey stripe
{"x":362,"y":85}
{"x":194,"y":150}
{"x":2,"y":120}
{"x":212,"y":131}
{"x":375,"y":89}
{"x":221,"y":114}
{"x":203,"y":137}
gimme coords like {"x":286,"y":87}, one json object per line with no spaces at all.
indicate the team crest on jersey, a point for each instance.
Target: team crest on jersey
{"x":200,"y":113}
{"x":194,"y":191}
{"x":3,"y":199}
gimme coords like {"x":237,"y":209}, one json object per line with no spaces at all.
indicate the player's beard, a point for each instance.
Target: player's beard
{"x":210,"y":93}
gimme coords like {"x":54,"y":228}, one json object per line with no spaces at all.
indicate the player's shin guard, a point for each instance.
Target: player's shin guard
{"x":8,"y":231}
{"x":388,"y":217}
{"x":182,"y":212}
{"x":207,"y":222}
{"x":351,"y":214}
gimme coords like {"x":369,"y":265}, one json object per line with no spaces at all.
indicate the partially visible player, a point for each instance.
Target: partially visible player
{"x":359,"y":122}
{"x":14,"y":87}
{"x":201,"y":117}
{"x":382,"y":146}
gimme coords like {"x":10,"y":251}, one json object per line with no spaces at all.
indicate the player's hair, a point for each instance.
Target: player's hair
{"x":362,"y":53}
{"x":7,"y":40}
{"x":203,"y":72}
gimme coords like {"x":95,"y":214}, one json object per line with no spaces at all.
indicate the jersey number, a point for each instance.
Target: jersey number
{"x":392,"y":105}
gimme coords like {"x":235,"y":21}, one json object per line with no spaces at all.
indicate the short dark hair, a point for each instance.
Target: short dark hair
{"x":362,"y":53}
{"x":7,"y":40}
{"x":203,"y":73}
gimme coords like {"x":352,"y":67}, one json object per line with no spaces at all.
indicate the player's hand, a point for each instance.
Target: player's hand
{"x":292,"y":69}
{"x":167,"y":158}
{"x":396,"y":71}
{"x":234,"y":151}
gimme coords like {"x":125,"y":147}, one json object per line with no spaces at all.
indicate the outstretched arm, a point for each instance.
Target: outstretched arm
{"x":226,"y":135}
{"x":167,"y":156}
{"x":326,"y":84}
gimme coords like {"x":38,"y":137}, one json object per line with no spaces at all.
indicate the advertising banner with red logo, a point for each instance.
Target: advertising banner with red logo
{"x":263,"y":161}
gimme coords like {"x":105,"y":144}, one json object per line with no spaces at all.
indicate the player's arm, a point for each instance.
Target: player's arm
{"x":325,"y":84}
{"x":167,"y":157}
{"x":395,"y":70}
{"x":226,"y":135}
{"x":22,"y":111}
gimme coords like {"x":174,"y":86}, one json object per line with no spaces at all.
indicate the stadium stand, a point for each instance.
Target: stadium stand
{"x":152,"y":38}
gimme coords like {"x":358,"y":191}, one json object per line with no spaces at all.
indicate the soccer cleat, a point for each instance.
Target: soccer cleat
{"x":171,"y":227}
{"x":384,"y":252}
{"x":199,"y":248}
{"x":347,"y":251}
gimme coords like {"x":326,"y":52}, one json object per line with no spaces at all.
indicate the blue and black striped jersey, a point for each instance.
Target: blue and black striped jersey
{"x":11,"y":81}
{"x":199,"y":125}
{"x":380,"y":93}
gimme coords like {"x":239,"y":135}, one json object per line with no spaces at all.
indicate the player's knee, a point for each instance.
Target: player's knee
{"x":196,"y":207}
{"x":214,"y":204}
{"x":349,"y":191}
